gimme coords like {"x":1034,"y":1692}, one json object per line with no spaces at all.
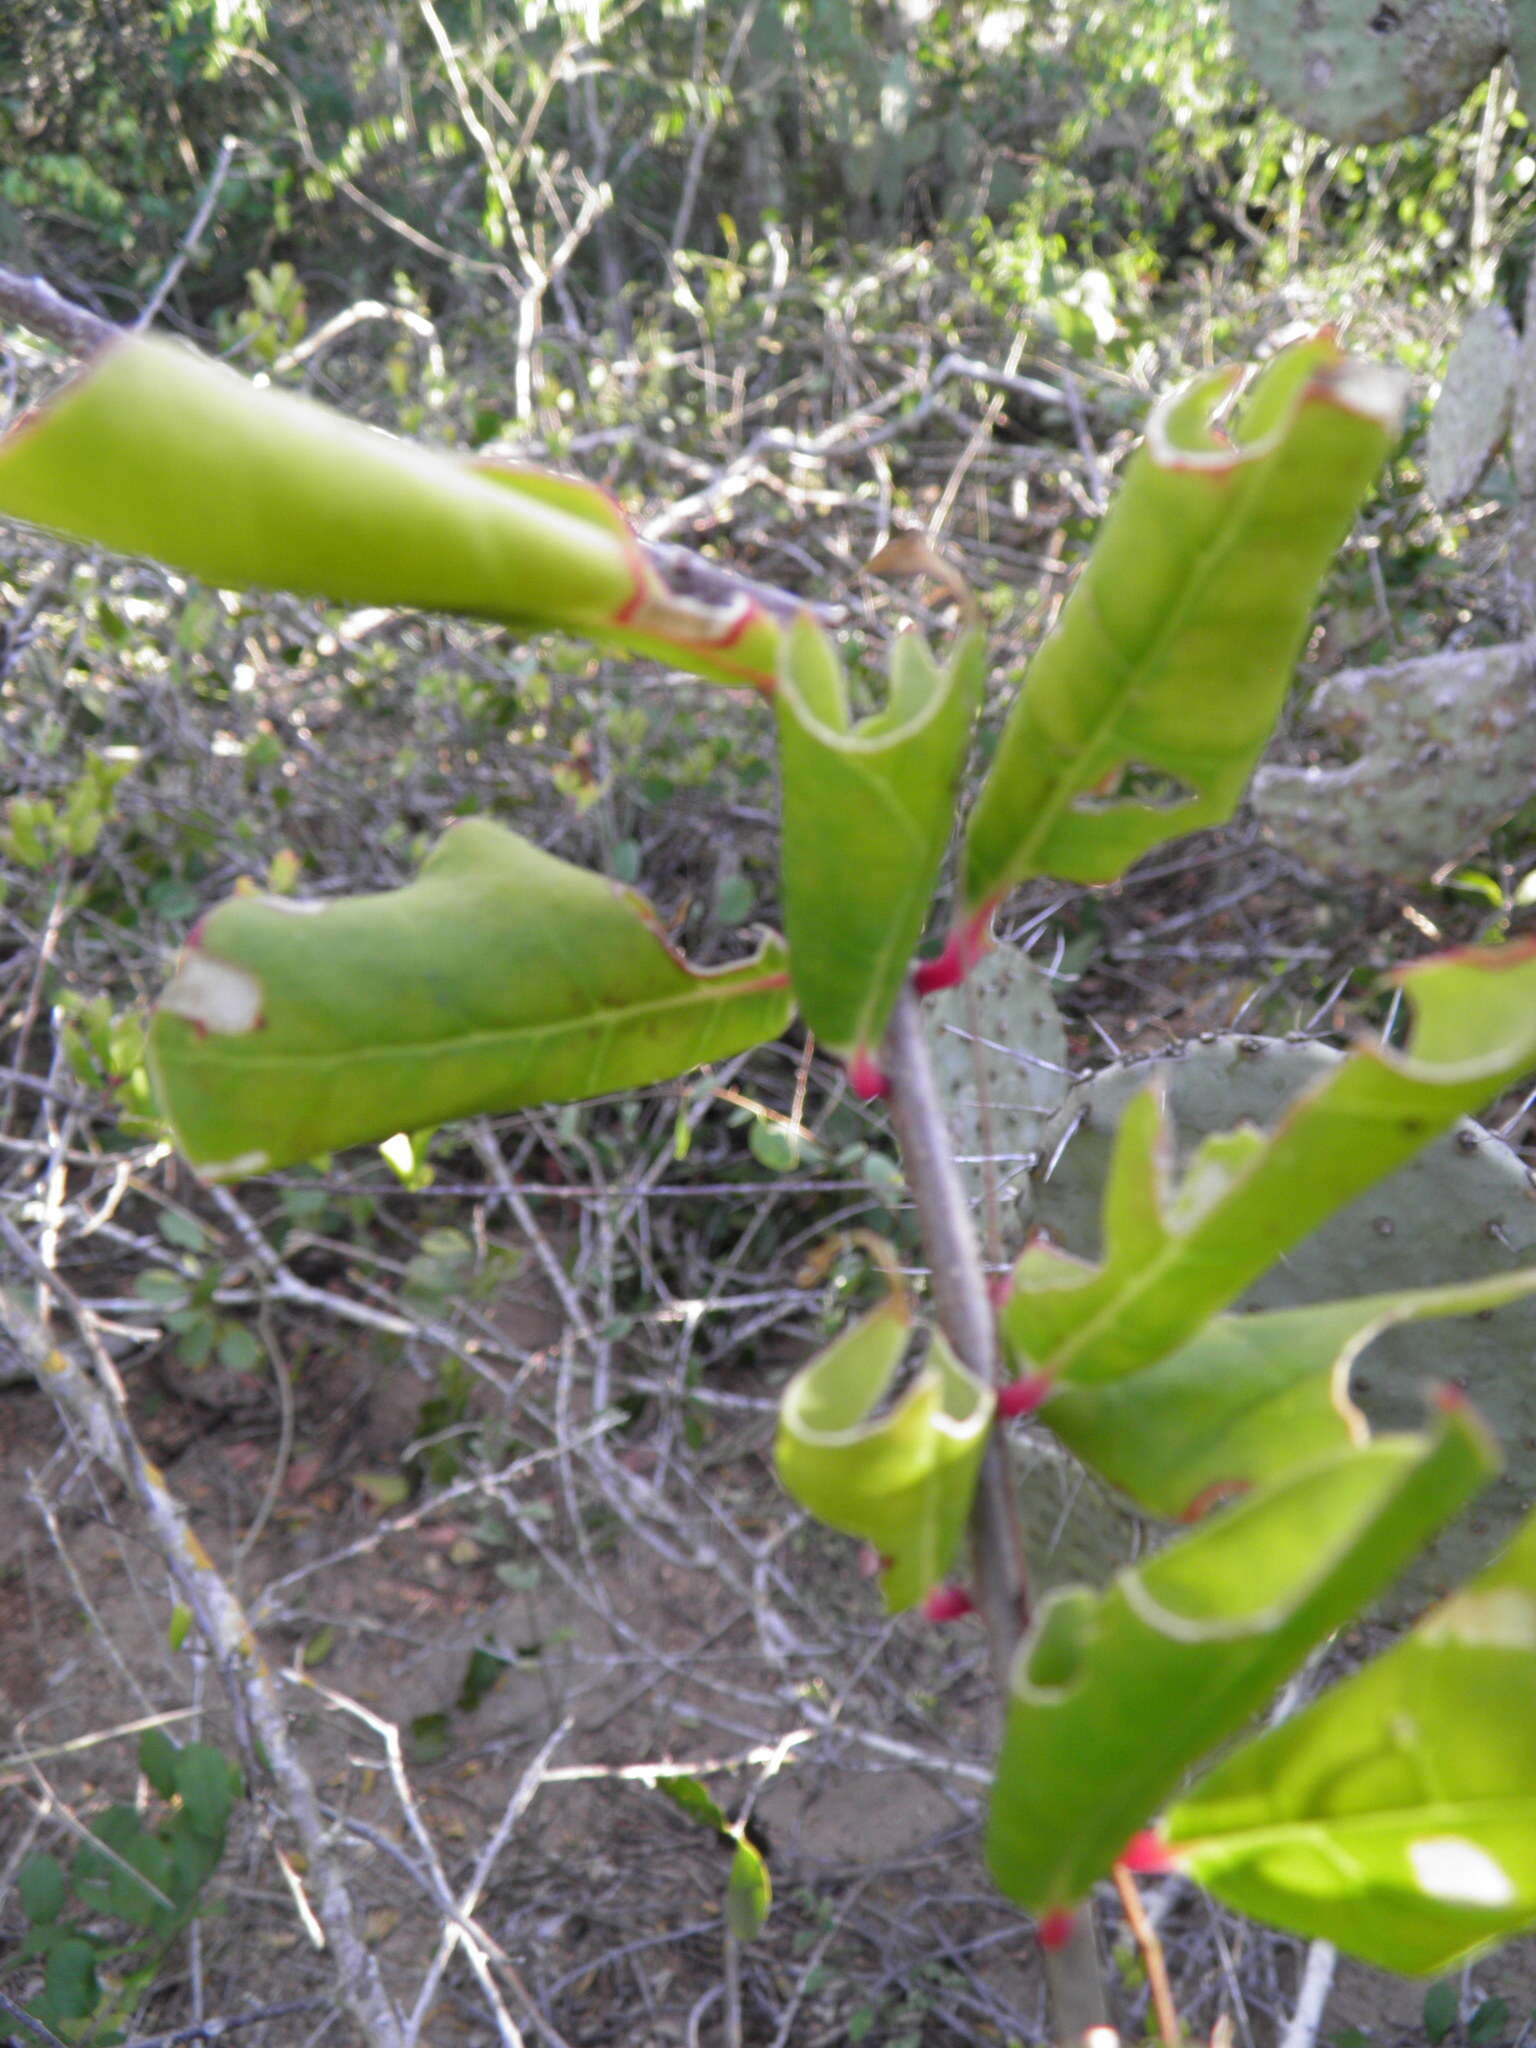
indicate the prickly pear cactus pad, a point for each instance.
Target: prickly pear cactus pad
{"x":1522,"y":47}
{"x":1472,"y":414}
{"x":1460,"y":1210}
{"x":1000,"y":1049}
{"x":1078,"y":1530}
{"x":1357,"y":71}
{"x":1522,"y":425}
{"x":1443,"y":749}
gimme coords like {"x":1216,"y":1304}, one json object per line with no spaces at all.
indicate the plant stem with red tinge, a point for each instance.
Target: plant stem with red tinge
{"x":963,"y":1305}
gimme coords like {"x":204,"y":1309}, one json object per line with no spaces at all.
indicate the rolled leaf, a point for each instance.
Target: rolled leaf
{"x":903,"y":1479}
{"x":1115,"y":1695}
{"x":748,"y":1891}
{"x":1175,"y":1256}
{"x":868,"y":810}
{"x":1396,"y":1815}
{"x":156,"y":450}
{"x":749,"y":1888}
{"x":690,"y":1796}
{"x":1169,"y":662}
{"x":1248,"y":1399}
{"x":499,"y":978}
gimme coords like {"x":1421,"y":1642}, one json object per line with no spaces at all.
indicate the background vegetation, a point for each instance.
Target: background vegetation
{"x":481,"y":1433}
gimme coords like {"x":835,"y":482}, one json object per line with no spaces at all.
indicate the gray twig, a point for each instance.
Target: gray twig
{"x":1312,"y":1997}
{"x":31,"y":303}
{"x":194,"y":234}
{"x":38,"y":2031}
{"x":997,"y":1543}
{"x":92,"y":1396}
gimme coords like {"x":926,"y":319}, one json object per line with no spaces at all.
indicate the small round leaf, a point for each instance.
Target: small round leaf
{"x":41,"y":1887}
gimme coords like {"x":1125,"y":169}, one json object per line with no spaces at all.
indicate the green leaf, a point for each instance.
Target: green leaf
{"x":901,"y":1479}
{"x":185,"y":1232}
{"x":482,"y":1674}
{"x":1396,"y":1815}
{"x":868,"y":811}
{"x":1171,"y":657}
{"x":41,"y":1887}
{"x":1248,"y":1398}
{"x":429,"y":1738}
{"x":779,"y":1147}
{"x":1173,"y":1256}
{"x":239,"y":1348}
{"x":124,"y":1870}
{"x":1489,"y":2023}
{"x":194,"y":1346}
{"x":69,"y":1980}
{"x":194,"y":1858}
{"x":1115,"y":1695}
{"x":518,"y":1578}
{"x":158,"y":1284}
{"x":157,"y":1760}
{"x":690,"y":1796}
{"x":180,"y":1625}
{"x":319,"y":1646}
{"x":748,"y":1892}
{"x":385,"y":1489}
{"x":158,"y":451}
{"x":208,"y":1784}
{"x":500,"y":977}
{"x":1441,"y":2010}
{"x":733,"y":900}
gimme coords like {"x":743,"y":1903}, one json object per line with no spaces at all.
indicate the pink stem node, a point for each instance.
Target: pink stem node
{"x":962,"y":949}
{"x":1148,"y":1855}
{"x":1023,"y":1396}
{"x":868,"y":1081}
{"x":947,"y":1603}
{"x":1054,"y":1929}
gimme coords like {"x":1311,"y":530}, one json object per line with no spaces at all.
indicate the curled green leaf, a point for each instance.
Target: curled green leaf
{"x":868,"y":809}
{"x":500,"y":977}
{"x":1395,"y":1815}
{"x":902,"y":1477}
{"x":690,"y":1797}
{"x":1175,"y":1255}
{"x":1143,"y":713}
{"x":1248,"y":1398}
{"x":156,"y":450}
{"x":1115,"y":1695}
{"x":748,"y":1891}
